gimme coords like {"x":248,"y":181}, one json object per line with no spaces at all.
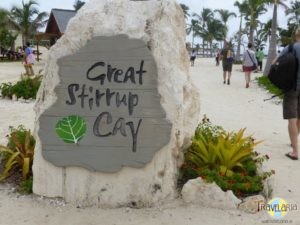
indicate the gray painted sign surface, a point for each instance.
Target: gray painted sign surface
{"x":108,"y":112}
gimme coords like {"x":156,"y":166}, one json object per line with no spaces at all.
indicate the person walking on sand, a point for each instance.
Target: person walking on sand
{"x":29,"y":60}
{"x":291,"y":104}
{"x":227,"y":59}
{"x":193,"y":57}
{"x":249,"y":64}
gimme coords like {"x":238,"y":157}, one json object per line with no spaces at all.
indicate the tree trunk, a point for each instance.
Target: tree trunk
{"x":211,"y":50}
{"x":238,"y":54}
{"x":273,"y":42}
{"x":203,"y":46}
{"x":193,"y":36}
{"x":251,"y":34}
{"x":251,"y":39}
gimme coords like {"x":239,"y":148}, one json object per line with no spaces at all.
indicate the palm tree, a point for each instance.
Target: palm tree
{"x":192,"y":28}
{"x":273,"y":39}
{"x":3,"y":15}
{"x":259,"y":40}
{"x":254,"y":9}
{"x":243,"y":10}
{"x":265,"y":31}
{"x":7,"y":38}
{"x":214,"y":30}
{"x":205,"y":16}
{"x":78,"y":4}
{"x":294,"y":12}
{"x":286,"y":35}
{"x":28,"y":18}
{"x":225,"y":15}
{"x":185,"y":10}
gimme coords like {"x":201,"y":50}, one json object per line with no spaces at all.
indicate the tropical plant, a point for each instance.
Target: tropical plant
{"x":261,"y":37}
{"x":264,"y":82}
{"x":6,"y":90}
{"x":28,"y":18}
{"x":225,"y":16}
{"x":7,"y":39}
{"x":205,"y":16}
{"x":3,"y":17}
{"x":185,"y":10}
{"x":78,"y":4}
{"x":287,"y":35}
{"x":214,"y":30}
{"x":273,"y":38}
{"x":265,"y":31}
{"x":225,"y":153}
{"x":18,"y":152}
{"x":242,"y":10}
{"x":254,"y":9}
{"x":225,"y":158}
{"x":25,"y":186}
{"x":25,"y":88}
{"x":192,"y":28}
{"x":294,"y":13}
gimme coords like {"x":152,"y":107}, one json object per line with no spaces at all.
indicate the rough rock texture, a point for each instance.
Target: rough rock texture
{"x":252,"y":204}
{"x":196,"y":191}
{"x":268,"y":183}
{"x":160,"y":24}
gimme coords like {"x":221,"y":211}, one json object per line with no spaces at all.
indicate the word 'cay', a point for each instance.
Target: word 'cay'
{"x":101,"y":97}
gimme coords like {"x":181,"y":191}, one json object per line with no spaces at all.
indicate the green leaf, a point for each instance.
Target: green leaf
{"x":71,"y":129}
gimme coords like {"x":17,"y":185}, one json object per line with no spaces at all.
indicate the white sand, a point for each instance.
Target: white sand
{"x":231,"y":106}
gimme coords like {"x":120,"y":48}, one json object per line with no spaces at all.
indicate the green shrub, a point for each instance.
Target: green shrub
{"x":238,"y":62}
{"x":264,"y":82}
{"x":25,"y":88}
{"x":25,"y":186}
{"x":18,"y":153}
{"x":225,"y":158}
{"x":6,"y":90}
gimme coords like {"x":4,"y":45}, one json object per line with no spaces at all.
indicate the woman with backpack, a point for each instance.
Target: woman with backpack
{"x":249,"y":64}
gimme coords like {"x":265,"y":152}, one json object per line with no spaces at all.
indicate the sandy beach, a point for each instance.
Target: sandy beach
{"x":231,"y":106}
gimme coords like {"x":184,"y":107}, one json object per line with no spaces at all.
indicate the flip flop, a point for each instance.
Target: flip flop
{"x":291,"y":157}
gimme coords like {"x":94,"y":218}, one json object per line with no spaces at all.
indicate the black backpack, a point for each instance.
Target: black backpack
{"x":283,"y":73}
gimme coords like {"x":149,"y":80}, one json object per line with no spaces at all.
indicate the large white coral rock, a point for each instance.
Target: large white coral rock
{"x":160,"y":25}
{"x":197,"y":191}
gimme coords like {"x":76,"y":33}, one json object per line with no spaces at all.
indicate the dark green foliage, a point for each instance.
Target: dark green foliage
{"x":7,"y":39}
{"x":6,"y":89}
{"x":205,"y":160}
{"x":25,"y":186}
{"x":25,"y":88}
{"x":266,"y":83}
{"x":238,"y":62}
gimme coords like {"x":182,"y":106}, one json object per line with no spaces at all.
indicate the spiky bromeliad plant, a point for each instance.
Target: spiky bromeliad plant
{"x":18,"y":153}
{"x":226,"y":158}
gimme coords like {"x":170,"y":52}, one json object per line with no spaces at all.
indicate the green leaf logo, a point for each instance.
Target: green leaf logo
{"x":71,"y":129}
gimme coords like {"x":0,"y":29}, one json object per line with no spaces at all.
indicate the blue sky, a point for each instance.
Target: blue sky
{"x":194,"y":5}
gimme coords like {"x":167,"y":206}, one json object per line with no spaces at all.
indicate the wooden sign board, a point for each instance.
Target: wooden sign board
{"x":108,"y":112}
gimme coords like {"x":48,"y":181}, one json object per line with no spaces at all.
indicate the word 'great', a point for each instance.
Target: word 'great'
{"x":92,"y":97}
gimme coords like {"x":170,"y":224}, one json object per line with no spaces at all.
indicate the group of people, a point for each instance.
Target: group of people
{"x":252,"y":62}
